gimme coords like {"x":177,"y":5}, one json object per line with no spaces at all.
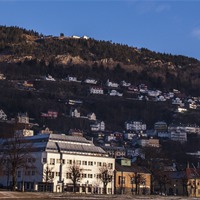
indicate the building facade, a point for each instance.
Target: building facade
{"x":54,"y":154}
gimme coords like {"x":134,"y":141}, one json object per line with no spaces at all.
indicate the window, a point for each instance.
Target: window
{"x":99,"y":164}
{"x":84,"y":162}
{"x":84,"y":175}
{"x":68,"y":175}
{"x":78,"y":162}
{"x":52,"y":174}
{"x":121,"y":180}
{"x":90,"y":176}
{"x":58,"y":161}
{"x":98,"y":176}
{"x":69,"y":162}
{"x":57,"y":173}
{"x":90,"y":163}
{"x":104,"y":164}
{"x":52,"y":161}
{"x":44,"y":160}
{"x":33,"y":173}
{"x":110,"y":165}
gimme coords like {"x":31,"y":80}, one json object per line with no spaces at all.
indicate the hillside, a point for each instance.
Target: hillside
{"x":30,"y":56}
{"x":32,"y":49}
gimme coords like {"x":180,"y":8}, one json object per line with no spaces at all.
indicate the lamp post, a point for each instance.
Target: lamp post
{"x":86,"y":185}
{"x":132,"y":182}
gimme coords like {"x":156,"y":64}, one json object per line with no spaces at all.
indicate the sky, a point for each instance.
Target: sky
{"x":171,"y":26}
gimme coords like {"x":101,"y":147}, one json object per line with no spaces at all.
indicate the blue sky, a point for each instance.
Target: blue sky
{"x":162,"y":26}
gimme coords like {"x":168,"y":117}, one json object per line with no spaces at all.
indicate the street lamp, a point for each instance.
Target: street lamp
{"x":132,"y":182}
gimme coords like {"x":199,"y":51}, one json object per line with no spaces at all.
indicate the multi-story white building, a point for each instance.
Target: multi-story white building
{"x":57,"y":153}
{"x":135,"y":126}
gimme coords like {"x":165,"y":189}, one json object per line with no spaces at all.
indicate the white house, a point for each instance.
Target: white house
{"x":2,"y":77}
{"x":178,"y":135}
{"x":112,"y":84}
{"x":90,"y":81}
{"x":72,"y":79}
{"x":75,"y":113}
{"x":115,"y":93}
{"x":49,"y":78}
{"x":125,"y":84}
{"x":3,"y":115}
{"x":135,"y":126}
{"x":96,"y":90}
{"x":92,"y":116}
{"x":98,"y":126}
{"x":57,"y":152}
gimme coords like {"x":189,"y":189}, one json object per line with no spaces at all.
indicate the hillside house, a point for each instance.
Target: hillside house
{"x":178,"y":135}
{"x":2,"y":77}
{"x":74,"y":112}
{"x":72,"y":79}
{"x":149,"y":142}
{"x":125,"y":84}
{"x":96,"y":90}
{"x":3,"y":115}
{"x":92,"y":116}
{"x":137,"y":126}
{"x":98,"y":126}
{"x":90,"y":81}
{"x":115,"y":93}
{"x":49,"y":78}
{"x":111,"y":84}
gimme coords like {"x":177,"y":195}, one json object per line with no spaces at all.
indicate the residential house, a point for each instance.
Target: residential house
{"x":72,"y":79}
{"x":50,"y":114}
{"x":90,"y":81}
{"x":74,"y":112}
{"x":137,"y":126}
{"x":111,"y":84}
{"x":2,"y":77}
{"x":92,"y":116}
{"x":96,"y":90}
{"x":129,"y":135}
{"x":131,"y":179}
{"x":49,"y":78}
{"x":178,"y":135}
{"x":98,"y":126}
{"x":3,"y":115}
{"x":125,"y":84}
{"x":115,"y":152}
{"x":115,"y":93}
{"x":149,"y":142}
{"x":143,"y":88}
{"x":22,"y":118}
{"x":58,"y":153}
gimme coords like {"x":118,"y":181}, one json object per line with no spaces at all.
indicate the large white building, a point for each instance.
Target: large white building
{"x":57,"y":153}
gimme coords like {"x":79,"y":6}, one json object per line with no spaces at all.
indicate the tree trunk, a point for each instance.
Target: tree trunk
{"x":14,"y":181}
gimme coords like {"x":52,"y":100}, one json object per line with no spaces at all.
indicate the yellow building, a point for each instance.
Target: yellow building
{"x":131,"y":178}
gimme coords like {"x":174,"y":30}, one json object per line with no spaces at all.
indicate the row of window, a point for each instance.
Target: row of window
{"x":53,"y":161}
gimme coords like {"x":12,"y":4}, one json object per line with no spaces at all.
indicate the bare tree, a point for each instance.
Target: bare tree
{"x":105,"y":177}
{"x":48,"y":176}
{"x":15,"y":153}
{"x":75,"y":172}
